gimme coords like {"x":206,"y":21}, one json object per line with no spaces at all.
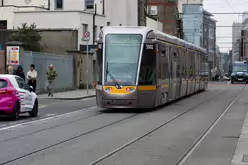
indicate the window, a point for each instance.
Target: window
{"x":192,"y":8}
{"x":164,"y":63}
{"x":148,"y":66}
{"x":101,"y":27}
{"x":96,"y":32}
{"x":89,"y":4}
{"x":121,"y":58}
{"x":3,"y":84}
{"x":21,"y":83}
{"x":58,"y":4}
{"x":108,"y":23}
{"x":85,"y":28}
{"x":3,"y":24}
{"x":99,"y":60}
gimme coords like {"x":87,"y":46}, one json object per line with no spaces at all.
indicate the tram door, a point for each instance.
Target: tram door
{"x":173,"y":72}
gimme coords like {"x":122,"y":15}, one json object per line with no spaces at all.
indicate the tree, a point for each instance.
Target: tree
{"x":29,"y":36}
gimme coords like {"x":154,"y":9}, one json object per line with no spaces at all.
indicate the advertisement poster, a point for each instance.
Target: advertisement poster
{"x":13,"y":55}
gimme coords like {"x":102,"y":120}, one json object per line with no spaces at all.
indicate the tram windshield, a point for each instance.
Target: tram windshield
{"x":121,"y":58}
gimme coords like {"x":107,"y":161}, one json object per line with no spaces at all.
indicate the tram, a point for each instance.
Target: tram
{"x":139,"y":67}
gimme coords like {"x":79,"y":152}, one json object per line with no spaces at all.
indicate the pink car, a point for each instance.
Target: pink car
{"x":16,"y":97}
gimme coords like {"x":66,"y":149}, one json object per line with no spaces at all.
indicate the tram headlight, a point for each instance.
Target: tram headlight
{"x":108,"y":89}
{"x":130,"y":89}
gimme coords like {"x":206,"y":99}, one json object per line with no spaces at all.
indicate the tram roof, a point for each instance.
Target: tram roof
{"x":158,"y":35}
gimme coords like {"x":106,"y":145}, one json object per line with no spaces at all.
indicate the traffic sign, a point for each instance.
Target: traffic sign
{"x":86,"y":36}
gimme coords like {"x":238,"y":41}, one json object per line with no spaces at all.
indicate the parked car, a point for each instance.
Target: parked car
{"x":16,"y":97}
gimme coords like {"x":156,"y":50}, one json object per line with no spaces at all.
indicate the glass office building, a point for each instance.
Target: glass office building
{"x":193,"y":23}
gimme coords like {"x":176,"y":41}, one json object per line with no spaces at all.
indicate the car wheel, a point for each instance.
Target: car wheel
{"x":34,"y":112}
{"x":15,"y":113}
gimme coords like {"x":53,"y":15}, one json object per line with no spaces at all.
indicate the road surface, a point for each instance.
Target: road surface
{"x":201,"y":129}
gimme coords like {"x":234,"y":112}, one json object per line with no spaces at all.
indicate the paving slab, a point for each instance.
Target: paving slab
{"x":71,"y":95}
{"x":241,"y":153}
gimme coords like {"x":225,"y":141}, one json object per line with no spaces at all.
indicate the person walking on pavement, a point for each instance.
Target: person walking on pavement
{"x":32,"y":77}
{"x":51,"y":74}
{"x":19,"y":72}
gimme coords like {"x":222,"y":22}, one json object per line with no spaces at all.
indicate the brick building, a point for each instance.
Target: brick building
{"x":166,"y":12}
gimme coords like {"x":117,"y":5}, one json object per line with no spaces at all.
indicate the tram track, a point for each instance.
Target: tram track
{"x":187,"y":154}
{"x":190,"y":151}
{"x":97,"y":129}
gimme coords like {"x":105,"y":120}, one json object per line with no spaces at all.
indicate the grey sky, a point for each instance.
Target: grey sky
{"x":222,"y":6}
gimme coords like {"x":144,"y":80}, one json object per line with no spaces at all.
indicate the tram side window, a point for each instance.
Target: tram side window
{"x":202,"y":65}
{"x":193,"y":65}
{"x":163,"y":62}
{"x":186,"y":63}
{"x":99,"y":59}
{"x":182,"y":63}
{"x":190,"y":64}
{"x":197,"y":64}
{"x":176,"y":57}
{"x":166,"y":64}
{"x":148,"y":66}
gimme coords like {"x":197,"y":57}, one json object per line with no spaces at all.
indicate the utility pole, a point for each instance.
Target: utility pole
{"x":94,"y":24}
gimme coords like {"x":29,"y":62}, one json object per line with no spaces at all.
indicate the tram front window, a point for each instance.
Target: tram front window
{"x":121,"y":58}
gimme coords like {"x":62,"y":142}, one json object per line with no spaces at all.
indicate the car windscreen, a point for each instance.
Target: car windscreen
{"x":3,"y":83}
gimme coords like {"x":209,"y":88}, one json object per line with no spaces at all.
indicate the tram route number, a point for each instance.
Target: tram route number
{"x":151,"y":47}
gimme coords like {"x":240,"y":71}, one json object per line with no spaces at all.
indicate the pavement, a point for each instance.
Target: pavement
{"x":71,"y":95}
{"x":203,"y":129}
{"x":241,"y":154}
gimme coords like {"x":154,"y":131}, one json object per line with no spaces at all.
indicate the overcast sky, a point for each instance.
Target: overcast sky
{"x":225,"y":6}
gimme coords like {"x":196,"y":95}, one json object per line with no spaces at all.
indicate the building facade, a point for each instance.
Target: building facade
{"x":199,"y":28}
{"x":79,"y":15}
{"x":193,"y":23}
{"x":236,"y":36}
{"x":209,"y":38}
{"x":166,"y":12}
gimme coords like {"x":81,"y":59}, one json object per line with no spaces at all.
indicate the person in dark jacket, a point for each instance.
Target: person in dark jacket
{"x":19,"y":72}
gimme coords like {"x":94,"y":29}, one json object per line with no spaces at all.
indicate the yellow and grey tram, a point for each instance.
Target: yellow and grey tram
{"x":138,"y":67}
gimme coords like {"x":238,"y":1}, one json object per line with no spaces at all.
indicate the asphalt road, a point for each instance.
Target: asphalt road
{"x":198,"y":130}
{"x":49,"y":108}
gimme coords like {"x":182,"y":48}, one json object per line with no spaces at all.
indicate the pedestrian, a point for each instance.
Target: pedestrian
{"x":10,"y":70}
{"x":51,"y":74}
{"x":19,"y":72}
{"x":32,"y":77}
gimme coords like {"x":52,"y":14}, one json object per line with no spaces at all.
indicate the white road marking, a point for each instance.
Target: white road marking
{"x":48,"y":115}
{"x":42,"y":106}
{"x":48,"y":118}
